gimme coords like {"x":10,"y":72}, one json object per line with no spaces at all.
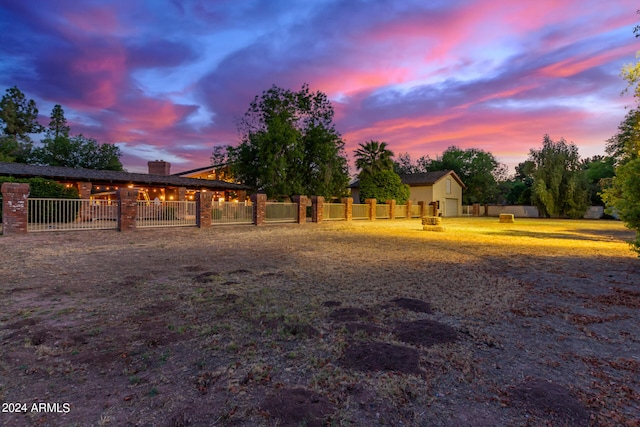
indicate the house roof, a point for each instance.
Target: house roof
{"x":102,"y":176}
{"x":427,"y":178}
{"x":201,"y":169}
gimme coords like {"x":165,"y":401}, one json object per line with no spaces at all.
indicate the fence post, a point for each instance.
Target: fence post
{"x":302,"y":208}
{"x":408,"y":213}
{"x":127,"y":209}
{"x":14,"y":208}
{"x":204,"y":208}
{"x":259,"y":208}
{"x":317,"y":208}
{"x":348,"y":208}
{"x":372,"y":208}
{"x":423,"y":208}
{"x":392,"y":208}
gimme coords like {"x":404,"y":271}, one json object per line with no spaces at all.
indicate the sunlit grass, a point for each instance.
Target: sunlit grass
{"x":526,"y":236}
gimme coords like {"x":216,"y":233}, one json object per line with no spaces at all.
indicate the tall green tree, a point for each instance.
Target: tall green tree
{"x":289,"y":145}
{"x":623,"y":195}
{"x":60,"y":149}
{"x":559,"y":183}
{"x":18,"y":121}
{"x":598,"y":170}
{"x":478,"y":169}
{"x":373,"y":156}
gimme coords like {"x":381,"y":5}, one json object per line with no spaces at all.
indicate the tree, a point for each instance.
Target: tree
{"x":60,"y":149}
{"x":220,"y":155}
{"x":18,"y":120}
{"x":598,"y":170}
{"x":383,"y":185}
{"x":625,"y":145}
{"x":289,"y":145}
{"x":372,"y":157}
{"x":405,"y":166}
{"x":559,"y":183}
{"x":517,"y":190}
{"x":58,"y":126}
{"x":623,"y":195}
{"x":478,"y":169}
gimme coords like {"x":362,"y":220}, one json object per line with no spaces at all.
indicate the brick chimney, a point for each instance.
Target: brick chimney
{"x":159,"y":167}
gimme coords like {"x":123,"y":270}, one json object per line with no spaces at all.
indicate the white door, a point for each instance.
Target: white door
{"x":451,"y":207}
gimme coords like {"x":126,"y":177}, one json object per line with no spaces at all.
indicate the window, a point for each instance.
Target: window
{"x":448,"y":185}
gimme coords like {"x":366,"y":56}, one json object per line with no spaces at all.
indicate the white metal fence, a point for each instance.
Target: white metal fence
{"x":333,"y":211}
{"x":281,"y":212}
{"x":400,"y":211}
{"x":231,"y":213}
{"x":467,"y":210}
{"x":415,"y":211}
{"x":45,"y":214}
{"x":166,"y":214}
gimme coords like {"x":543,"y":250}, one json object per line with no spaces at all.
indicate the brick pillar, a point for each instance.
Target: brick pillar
{"x":317,"y":208}
{"x":476,"y":209}
{"x":372,"y":208}
{"x":348,"y":208}
{"x":259,"y":208}
{"x":14,"y":208}
{"x":408,"y":213}
{"x":392,"y":208}
{"x":423,"y":208}
{"x":127,"y":209}
{"x":302,"y":208}
{"x":204,"y":208}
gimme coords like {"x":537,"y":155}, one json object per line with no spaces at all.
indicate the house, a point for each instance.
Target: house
{"x":444,"y":188}
{"x":103,"y":184}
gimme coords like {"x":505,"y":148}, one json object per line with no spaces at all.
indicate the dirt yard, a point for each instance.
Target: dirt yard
{"x":535,"y":323}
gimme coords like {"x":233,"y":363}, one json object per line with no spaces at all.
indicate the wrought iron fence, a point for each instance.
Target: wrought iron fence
{"x":281,"y":212}
{"x":166,"y":214}
{"x":360,"y":211}
{"x":45,"y":214}
{"x":231,"y":213}
{"x":382,"y":211}
{"x":333,"y":211}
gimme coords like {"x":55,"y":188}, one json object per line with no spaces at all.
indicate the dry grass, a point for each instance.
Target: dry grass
{"x":196,"y":327}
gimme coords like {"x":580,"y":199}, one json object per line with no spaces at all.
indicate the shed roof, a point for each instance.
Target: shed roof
{"x":102,"y":176}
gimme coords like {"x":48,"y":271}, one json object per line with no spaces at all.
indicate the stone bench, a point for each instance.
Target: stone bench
{"x":506,"y":218}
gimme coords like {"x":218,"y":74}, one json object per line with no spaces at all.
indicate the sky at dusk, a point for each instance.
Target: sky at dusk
{"x":168,"y":79}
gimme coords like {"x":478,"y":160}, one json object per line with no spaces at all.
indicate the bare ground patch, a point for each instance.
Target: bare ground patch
{"x":363,"y":324}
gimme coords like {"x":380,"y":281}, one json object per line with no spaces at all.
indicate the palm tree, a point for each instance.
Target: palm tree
{"x":373,"y":156}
